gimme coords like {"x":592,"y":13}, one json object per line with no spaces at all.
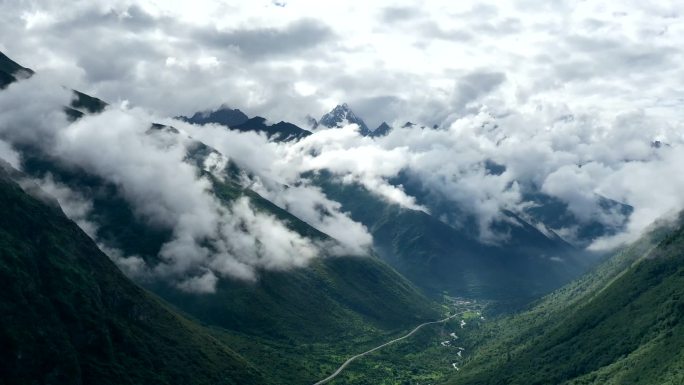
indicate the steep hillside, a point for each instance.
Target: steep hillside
{"x":69,"y":316}
{"x":622,"y":324}
{"x":301,"y":321}
{"x":356,"y":292}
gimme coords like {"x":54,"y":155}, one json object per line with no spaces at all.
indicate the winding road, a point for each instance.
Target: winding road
{"x":349,"y":361}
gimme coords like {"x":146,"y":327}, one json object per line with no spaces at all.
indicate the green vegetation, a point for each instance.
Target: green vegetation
{"x":622,"y":324}
{"x":68,"y":316}
{"x":302,"y":322}
{"x":418,"y":360}
{"x":424,"y":358}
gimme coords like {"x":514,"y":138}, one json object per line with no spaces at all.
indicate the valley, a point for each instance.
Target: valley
{"x":430,"y":356}
{"x":357,"y":193}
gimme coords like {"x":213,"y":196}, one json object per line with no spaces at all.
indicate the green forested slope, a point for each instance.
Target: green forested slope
{"x":295,"y":324}
{"x":622,"y":324}
{"x":68,"y":315}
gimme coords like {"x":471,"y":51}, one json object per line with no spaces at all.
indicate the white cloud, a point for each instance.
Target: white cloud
{"x":432,"y":58}
{"x":573,"y":155}
{"x":205,"y":283}
{"x":352,"y":157}
{"x":312,"y":206}
{"x":567,"y":96}
{"x":276,"y":170}
{"x":77,"y":207}
{"x":8,"y":154}
{"x":149,"y":170}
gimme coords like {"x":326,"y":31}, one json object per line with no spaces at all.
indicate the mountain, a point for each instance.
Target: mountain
{"x":382,"y":130}
{"x":382,"y":304}
{"x":224,"y":116}
{"x":237,"y":120}
{"x":441,"y":258}
{"x":69,"y":316}
{"x":555,"y":215}
{"x":279,"y":132}
{"x":297,"y":323}
{"x":342,"y":115}
{"x":83,"y":104}
{"x":623,"y":323}
{"x":10,"y":71}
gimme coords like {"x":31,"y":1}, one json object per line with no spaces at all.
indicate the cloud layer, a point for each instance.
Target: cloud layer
{"x":390,"y":60}
{"x":569,"y":98}
{"x":209,"y":238}
{"x":574,"y":156}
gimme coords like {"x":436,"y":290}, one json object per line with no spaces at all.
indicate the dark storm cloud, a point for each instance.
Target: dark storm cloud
{"x":377,"y":109}
{"x":132,"y":18}
{"x":431,"y":30}
{"x":506,"y":26}
{"x":399,"y":14}
{"x":474,"y":85}
{"x":263,"y":42}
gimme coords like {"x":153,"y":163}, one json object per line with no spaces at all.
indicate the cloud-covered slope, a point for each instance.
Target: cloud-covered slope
{"x":176,"y":216}
{"x":439,"y":257}
{"x":10,"y":71}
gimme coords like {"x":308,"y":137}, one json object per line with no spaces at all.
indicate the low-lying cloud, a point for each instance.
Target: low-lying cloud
{"x":578,"y":157}
{"x":209,"y":239}
{"x":8,"y":154}
{"x":574,"y":156}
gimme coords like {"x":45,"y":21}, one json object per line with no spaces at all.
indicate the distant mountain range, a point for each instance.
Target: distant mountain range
{"x":235,"y":119}
{"x":343,"y":115}
{"x":433,"y":254}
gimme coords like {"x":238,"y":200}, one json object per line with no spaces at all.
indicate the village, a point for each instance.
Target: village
{"x":470,"y":311}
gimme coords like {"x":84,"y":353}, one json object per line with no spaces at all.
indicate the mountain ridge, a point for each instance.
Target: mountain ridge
{"x":10,"y":71}
{"x":342,"y":115}
{"x":237,"y":120}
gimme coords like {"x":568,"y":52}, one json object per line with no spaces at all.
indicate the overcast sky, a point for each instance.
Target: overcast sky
{"x":390,"y":60}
